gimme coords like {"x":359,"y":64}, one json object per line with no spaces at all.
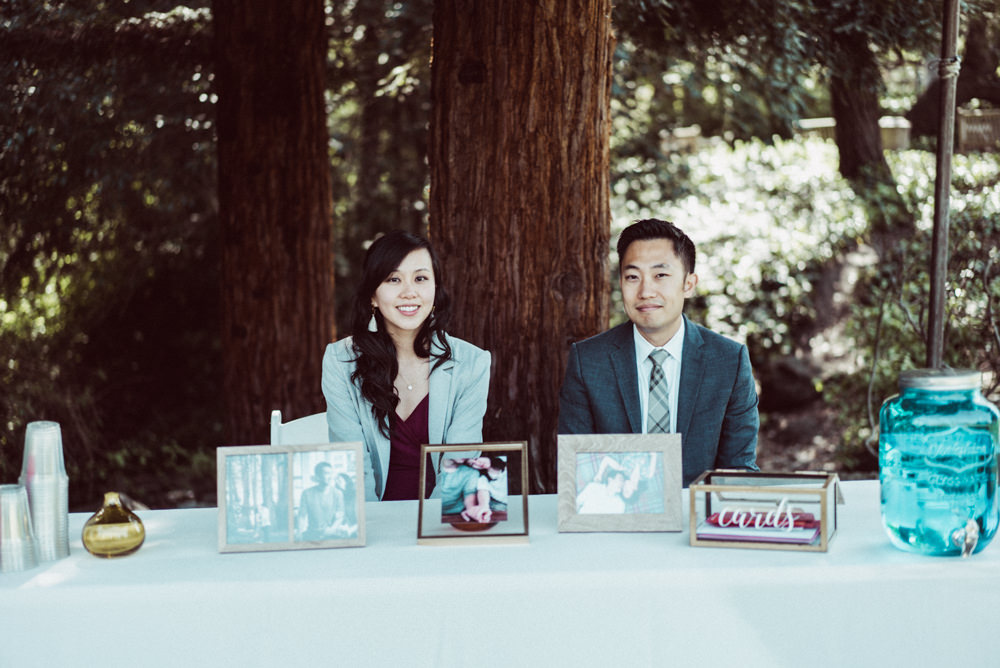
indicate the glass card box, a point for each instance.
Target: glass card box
{"x":771,"y":511}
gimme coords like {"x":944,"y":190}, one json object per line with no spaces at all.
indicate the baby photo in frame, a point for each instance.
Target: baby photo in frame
{"x":292,"y":497}
{"x":478,"y":493}
{"x":620,"y":482}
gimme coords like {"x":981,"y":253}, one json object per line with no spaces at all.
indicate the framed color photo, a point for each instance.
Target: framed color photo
{"x":620,"y":482}
{"x":294,"y":497}
{"x":479,"y":493}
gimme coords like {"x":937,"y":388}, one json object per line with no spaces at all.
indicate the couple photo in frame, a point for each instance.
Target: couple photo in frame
{"x":290,"y":497}
{"x":480,"y":494}
{"x":620,"y":482}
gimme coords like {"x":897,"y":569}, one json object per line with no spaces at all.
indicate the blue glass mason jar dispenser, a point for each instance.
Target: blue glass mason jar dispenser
{"x":938,"y":463}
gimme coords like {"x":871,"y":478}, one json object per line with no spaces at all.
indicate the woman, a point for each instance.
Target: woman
{"x":399,"y":380}
{"x":346,"y":486}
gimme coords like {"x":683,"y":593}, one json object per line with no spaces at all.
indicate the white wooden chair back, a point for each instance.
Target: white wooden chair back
{"x":308,"y":430}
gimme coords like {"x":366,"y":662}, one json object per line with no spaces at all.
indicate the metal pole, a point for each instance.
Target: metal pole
{"x":948,"y":68}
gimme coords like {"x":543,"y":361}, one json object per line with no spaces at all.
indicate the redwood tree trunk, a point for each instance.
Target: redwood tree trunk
{"x":274,"y":209}
{"x":519,"y":142}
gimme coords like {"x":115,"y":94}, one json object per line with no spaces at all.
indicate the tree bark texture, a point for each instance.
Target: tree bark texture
{"x":854,"y":89}
{"x":274,"y":210}
{"x":855,"y":83}
{"x":519,"y":151}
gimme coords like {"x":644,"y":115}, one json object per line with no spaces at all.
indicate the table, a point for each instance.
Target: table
{"x":560,"y":600}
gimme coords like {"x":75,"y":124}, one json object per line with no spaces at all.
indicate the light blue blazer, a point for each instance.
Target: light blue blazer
{"x":457,"y":403}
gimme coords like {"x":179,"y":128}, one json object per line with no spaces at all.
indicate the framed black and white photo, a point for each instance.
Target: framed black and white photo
{"x":293,"y":497}
{"x":479,"y":494}
{"x":620,"y":482}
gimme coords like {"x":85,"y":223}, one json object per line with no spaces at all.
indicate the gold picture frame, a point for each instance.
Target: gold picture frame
{"x":480,"y":496}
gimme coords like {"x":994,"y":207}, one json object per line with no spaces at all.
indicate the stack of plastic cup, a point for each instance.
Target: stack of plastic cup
{"x":17,"y":542}
{"x":43,"y":475}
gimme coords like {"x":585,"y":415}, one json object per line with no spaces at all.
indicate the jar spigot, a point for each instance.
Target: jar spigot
{"x":966,"y":537}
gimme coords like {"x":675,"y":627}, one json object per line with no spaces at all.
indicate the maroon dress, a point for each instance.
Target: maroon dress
{"x":405,"y":438}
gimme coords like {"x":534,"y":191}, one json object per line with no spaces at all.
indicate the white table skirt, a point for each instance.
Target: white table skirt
{"x":560,"y":600}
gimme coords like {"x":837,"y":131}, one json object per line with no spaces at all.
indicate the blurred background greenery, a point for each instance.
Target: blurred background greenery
{"x":109,"y":257}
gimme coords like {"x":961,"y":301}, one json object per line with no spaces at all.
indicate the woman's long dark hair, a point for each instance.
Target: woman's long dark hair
{"x":376,"y":355}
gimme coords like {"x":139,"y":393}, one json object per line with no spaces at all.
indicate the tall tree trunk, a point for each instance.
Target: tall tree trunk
{"x":274,"y":209}
{"x":519,"y":149}
{"x":855,"y":83}
{"x":854,"y":91}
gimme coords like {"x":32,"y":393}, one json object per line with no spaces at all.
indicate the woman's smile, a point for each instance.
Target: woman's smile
{"x":406,"y":295}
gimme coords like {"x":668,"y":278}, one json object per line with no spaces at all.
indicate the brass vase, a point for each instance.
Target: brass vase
{"x":114,"y":530}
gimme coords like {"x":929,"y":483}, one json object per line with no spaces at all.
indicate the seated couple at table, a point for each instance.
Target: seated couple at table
{"x":474,"y":489}
{"x":400,"y":380}
{"x":620,"y":483}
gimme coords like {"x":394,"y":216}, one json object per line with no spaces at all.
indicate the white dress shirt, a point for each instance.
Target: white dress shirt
{"x":671,"y":371}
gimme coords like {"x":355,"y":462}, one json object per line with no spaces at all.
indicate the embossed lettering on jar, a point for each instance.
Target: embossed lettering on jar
{"x":938,"y":463}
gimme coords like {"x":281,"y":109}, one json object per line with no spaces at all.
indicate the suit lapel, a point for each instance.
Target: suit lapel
{"x":692,"y":368}
{"x":622,"y":358}
{"x":439,"y":388}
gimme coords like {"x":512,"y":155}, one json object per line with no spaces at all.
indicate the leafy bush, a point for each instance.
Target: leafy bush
{"x":127,"y":369}
{"x":108,"y":251}
{"x":776,"y":228}
{"x":889,"y":320}
{"x":765,"y":220}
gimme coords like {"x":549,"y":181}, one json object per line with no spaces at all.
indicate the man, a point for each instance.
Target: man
{"x":321,"y":508}
{"x":701,"y":386}
{"x":604,"y":494}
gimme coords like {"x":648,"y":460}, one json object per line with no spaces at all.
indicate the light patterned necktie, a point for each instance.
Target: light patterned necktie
{"x":658,"y":408}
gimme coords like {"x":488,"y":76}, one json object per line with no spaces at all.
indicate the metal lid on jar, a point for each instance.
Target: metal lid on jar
{"x":940,"y":379}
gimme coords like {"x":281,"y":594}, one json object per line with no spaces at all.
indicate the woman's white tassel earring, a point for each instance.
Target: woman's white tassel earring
{"x":373,"y":323}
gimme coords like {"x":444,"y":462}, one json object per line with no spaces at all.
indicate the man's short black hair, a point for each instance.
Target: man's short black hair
{"x":652,"y":228}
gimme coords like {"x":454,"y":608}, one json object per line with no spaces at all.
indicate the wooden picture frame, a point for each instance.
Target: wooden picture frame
{"x":271,"y":496}
{"x":473,"y":500}
{"x":620,"y":482}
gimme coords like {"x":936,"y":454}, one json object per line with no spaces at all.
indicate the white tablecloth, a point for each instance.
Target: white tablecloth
{"x":560,"y":600}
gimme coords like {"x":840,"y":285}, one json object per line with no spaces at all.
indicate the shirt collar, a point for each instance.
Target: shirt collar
{"x":675,"y":346}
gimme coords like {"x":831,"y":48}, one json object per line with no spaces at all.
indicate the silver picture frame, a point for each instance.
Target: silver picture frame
{"x":294,"y":497}
{"x":619,"y":482}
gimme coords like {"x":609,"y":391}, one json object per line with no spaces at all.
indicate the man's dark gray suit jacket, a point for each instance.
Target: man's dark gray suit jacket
{"x":716,"y":407}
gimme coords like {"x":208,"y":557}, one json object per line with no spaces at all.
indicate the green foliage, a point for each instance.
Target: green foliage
{"x":737,"y":70}
{"x":109,"y":256}
{"x":889,"y":317}
{"x":771,"y":221}
{"x":765,"y":219}
{"x":108,"y":280}
{"x":378,"y":96}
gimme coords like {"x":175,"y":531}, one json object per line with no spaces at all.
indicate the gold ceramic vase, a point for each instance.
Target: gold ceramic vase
{"x":114,"y":530}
